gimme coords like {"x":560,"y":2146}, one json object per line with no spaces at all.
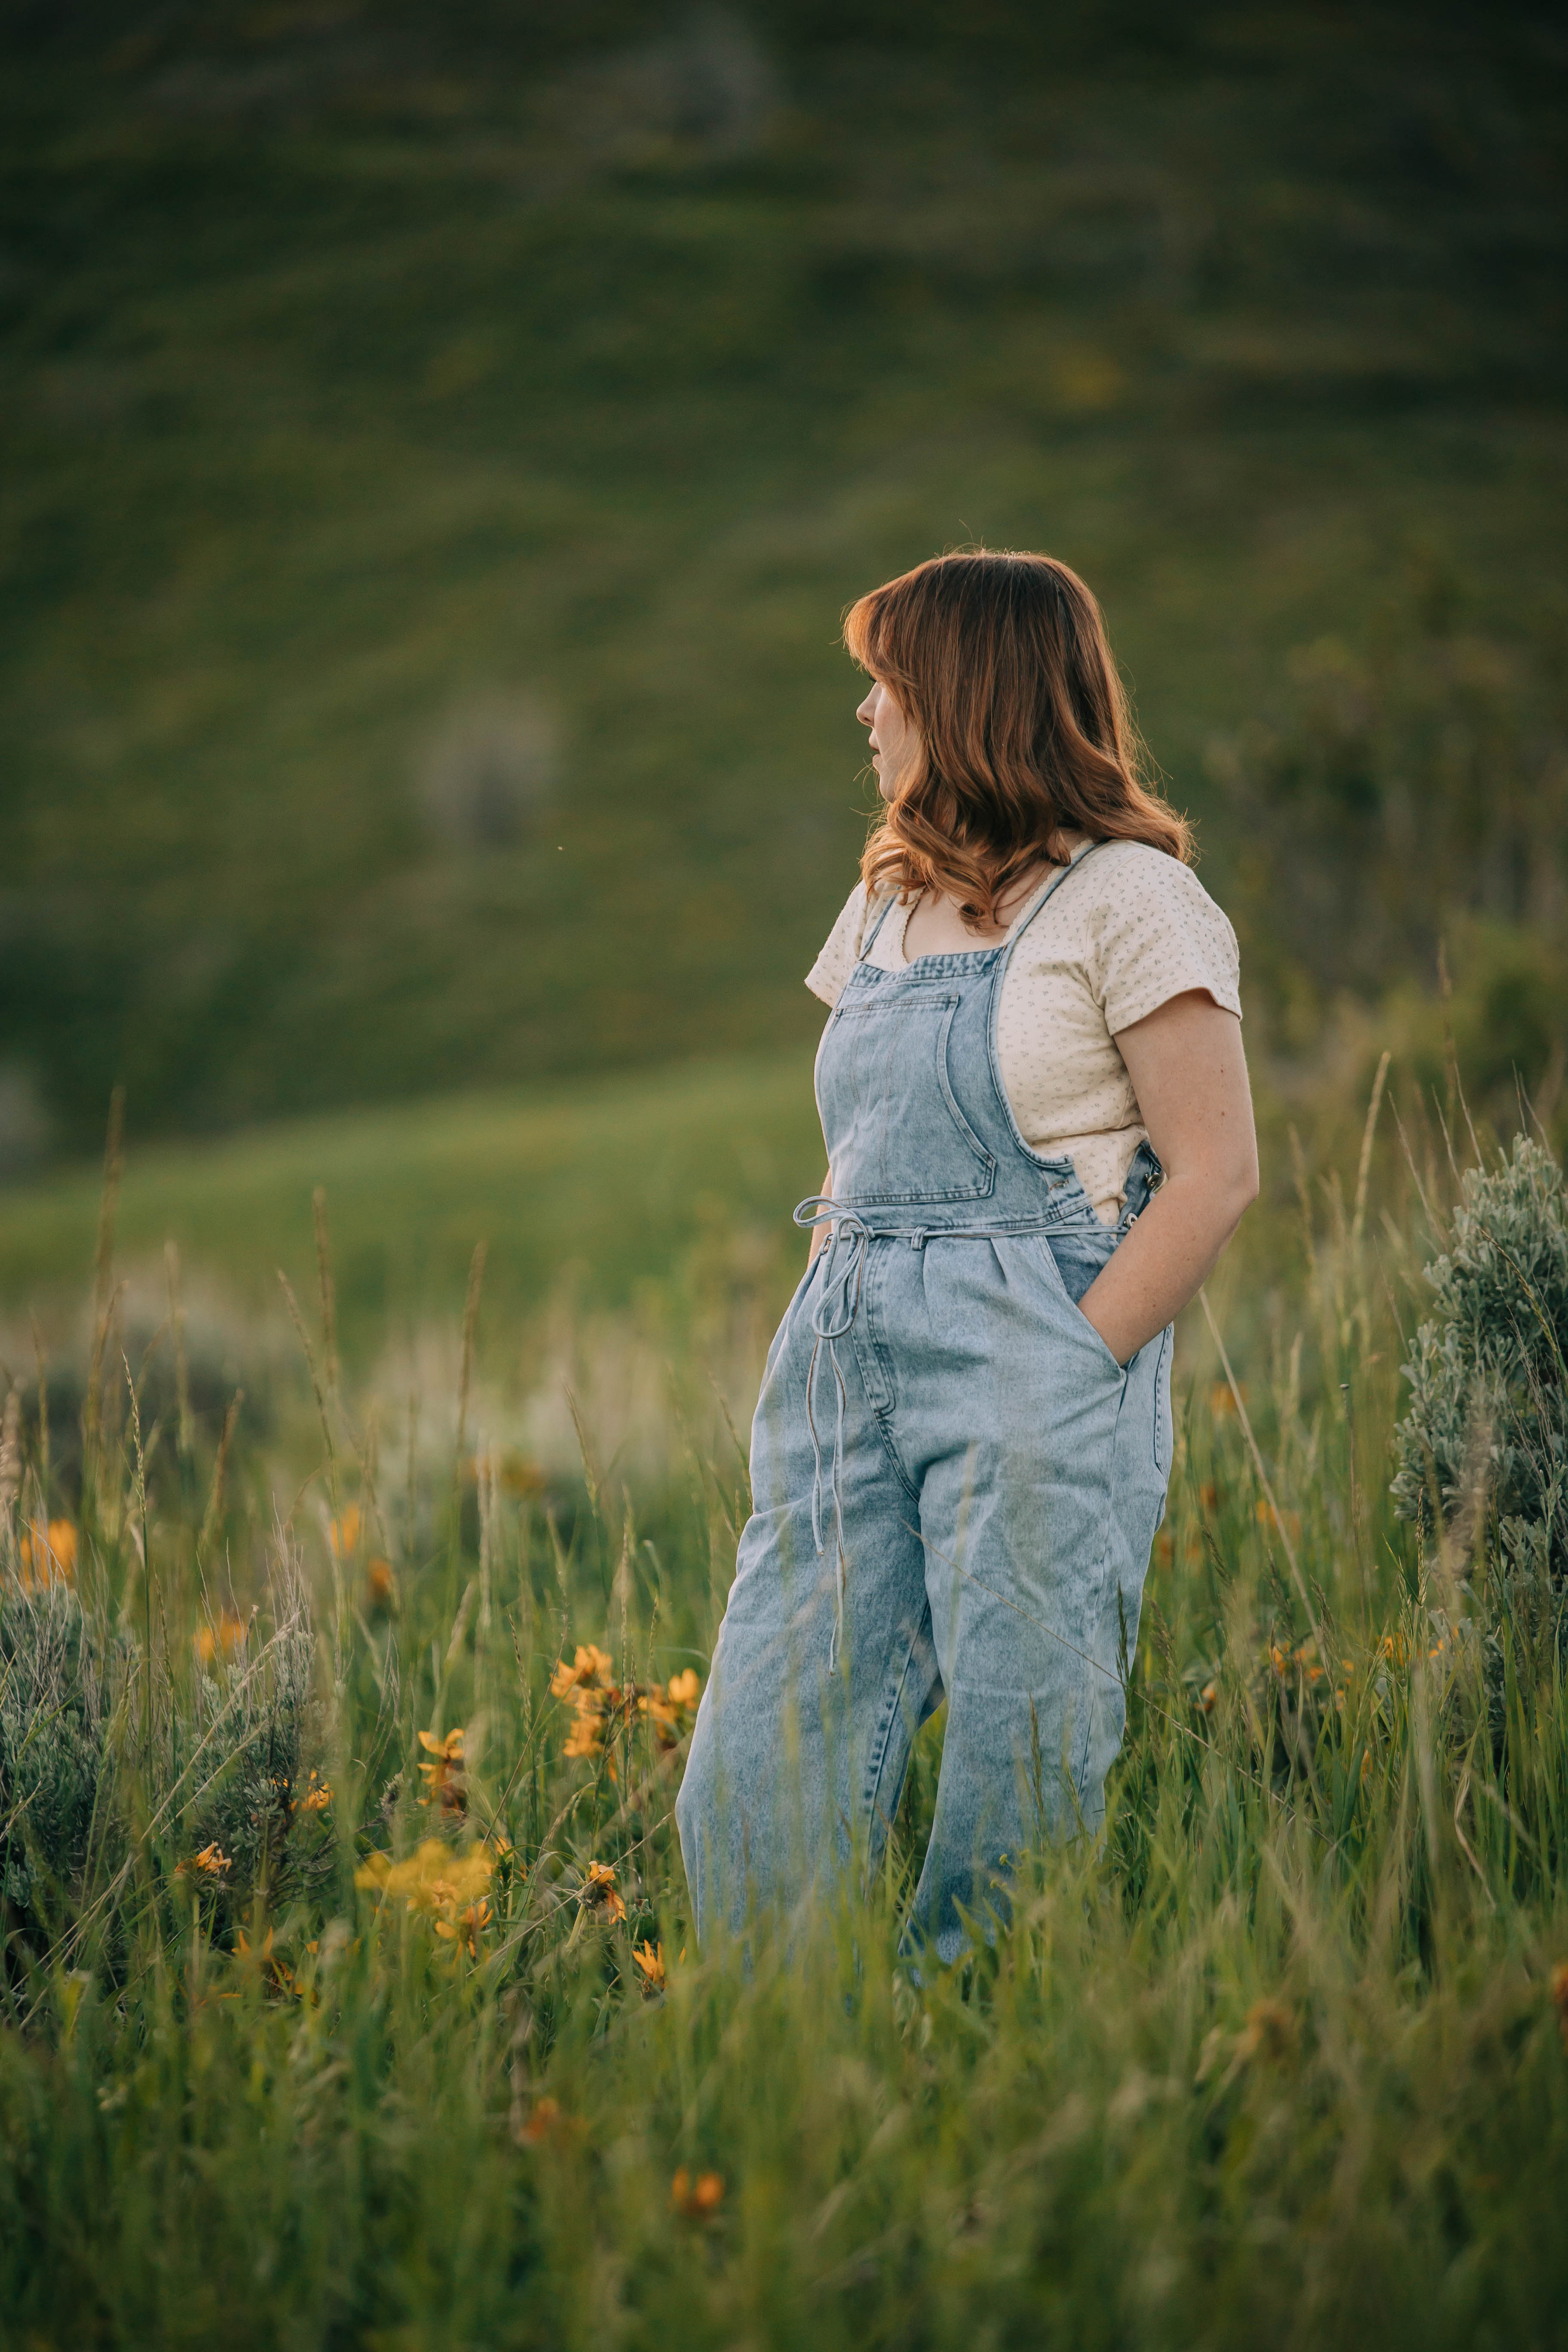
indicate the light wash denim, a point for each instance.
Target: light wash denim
{"x":955,"y":1487}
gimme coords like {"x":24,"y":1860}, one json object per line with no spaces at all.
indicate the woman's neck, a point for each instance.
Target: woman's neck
{"x":934,"y":925}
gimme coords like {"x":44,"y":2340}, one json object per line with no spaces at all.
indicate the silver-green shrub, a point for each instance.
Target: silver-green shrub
{"x":247,"y":1736}
{"x":57,"y":1691}
{"x":91,"y":1760}
{"x":1483,"y":1448}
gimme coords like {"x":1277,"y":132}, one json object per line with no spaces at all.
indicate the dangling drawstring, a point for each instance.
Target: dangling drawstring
{"x":832,"y":1319}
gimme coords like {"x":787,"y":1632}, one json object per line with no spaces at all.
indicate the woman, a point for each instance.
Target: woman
{"x":1039,"y":1140}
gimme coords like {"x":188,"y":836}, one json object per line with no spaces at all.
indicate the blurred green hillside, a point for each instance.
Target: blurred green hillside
{"x":438,"y":442}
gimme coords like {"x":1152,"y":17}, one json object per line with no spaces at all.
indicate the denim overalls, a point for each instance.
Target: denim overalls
{"x":955,"y":1484}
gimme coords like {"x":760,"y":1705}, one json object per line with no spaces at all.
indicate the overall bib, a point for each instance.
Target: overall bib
{"x":956,"y":1486}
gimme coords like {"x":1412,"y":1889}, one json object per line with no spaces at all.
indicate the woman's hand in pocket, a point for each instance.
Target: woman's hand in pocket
{"x":1188,"y":1072}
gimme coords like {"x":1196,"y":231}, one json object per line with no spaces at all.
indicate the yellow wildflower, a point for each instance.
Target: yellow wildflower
{"x":589,"y":1670}
{"x":599,"y":1892}
{"x":465,"y":1926}
{"x":345,"y":1531}
{"x":444,"y":1773}
{"x":685,"y":1689}
{"x":664,"y":1717}
{"x":317,"y":1797}
{"x":649,"y":1958}
{"x":586,"y":1738}
{"x":47,"y":1554}
{"x":275,"y":1973}
{"x":223,"y":1637}
{"x":431,"y":1878}
{"x":212,"y":1860}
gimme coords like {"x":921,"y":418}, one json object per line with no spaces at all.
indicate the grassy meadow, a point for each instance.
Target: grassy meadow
{"x":350,"y":1994}
{"x":437,"y":446}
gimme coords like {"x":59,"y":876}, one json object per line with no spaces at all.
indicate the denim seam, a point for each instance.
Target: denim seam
{"x":866,"y":1327}
{"x":1101,"y":1580}
{"x":877,"y":1760}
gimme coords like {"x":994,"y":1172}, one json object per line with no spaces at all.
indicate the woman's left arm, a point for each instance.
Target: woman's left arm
{"x":1189,"y":1074}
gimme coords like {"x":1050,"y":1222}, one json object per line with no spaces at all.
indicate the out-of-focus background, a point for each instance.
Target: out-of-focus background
{"x":439,"y":442}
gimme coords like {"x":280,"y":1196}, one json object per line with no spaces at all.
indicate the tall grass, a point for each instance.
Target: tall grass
{"x":325,"y":2026}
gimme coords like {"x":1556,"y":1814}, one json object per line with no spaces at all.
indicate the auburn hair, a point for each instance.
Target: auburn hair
{"x":1001,"y":664}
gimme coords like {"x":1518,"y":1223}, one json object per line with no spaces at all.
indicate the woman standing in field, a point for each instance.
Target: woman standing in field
{"x":1039,"y":1140}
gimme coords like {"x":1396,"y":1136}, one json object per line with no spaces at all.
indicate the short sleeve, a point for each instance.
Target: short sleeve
{"x":830,"y":972}
{"x":1154,"y":932}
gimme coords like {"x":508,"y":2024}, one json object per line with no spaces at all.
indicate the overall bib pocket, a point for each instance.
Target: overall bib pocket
{"x":882,"y":1077}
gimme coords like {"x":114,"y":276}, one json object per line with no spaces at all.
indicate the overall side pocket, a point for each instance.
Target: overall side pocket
{"x":1072,"y":1261}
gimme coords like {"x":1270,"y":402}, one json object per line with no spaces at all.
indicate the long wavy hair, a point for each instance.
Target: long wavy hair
{"x":1001,"y":664}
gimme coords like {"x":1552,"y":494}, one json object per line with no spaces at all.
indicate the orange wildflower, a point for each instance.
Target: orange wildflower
{"x":546,"y":2122}
{"x":435,"y":1878}
{"x":599,"y":1892}
{"x":649,"y":1958}
{"x":275,"y":1973}
{"x":590,"y":1670}
{"x":380,"y":1586}
{"x":697,"y":2199}
{"x":585,"y":1739}
{"x":685,"y":1689}
{"x":1558,"y":1982}
{"x":223,"y":1637}
{"x":345,"y":1531}
{"x":1270,"y":2028}
{"x":444,"y":1773}
{"x":464,"y":1928}
{"x":48,"y":1555}
{"x":317,"y":1797}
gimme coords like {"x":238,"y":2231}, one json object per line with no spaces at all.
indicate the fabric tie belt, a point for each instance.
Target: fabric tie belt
{"x":833,"y":1318}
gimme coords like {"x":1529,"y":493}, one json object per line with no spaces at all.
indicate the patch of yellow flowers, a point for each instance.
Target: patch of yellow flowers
{"x":600,"y":1707}
{"x":448,"y":1886}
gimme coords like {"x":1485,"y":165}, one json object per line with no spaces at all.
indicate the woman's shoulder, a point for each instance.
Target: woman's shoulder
{"x":1154,"y":932}
{"x":1137,"y":868}
{"x":843,"y":942}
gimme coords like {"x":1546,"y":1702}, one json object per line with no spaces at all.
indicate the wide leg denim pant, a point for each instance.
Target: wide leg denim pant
{"x":995,"y":1556}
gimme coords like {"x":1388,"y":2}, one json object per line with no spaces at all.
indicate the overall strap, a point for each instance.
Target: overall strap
{"x":867,"y":943}
{"x":1056,"y":879}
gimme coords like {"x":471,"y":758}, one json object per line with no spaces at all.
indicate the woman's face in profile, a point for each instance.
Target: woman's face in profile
{"x":894,"y":741}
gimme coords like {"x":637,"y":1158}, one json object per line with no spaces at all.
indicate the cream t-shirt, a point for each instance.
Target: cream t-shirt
{"x":1133,"y":929}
